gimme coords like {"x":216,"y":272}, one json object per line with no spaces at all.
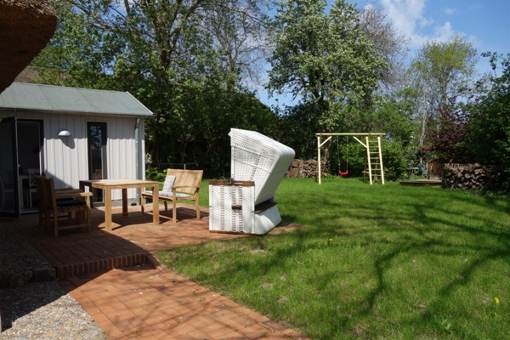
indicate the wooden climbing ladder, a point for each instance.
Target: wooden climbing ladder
{"x":374,"y":158}
{"x":372,"y":143}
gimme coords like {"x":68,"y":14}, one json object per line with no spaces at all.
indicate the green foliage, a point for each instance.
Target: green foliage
{"x":76,"y":55}
{"x":441,"y":72}
{"x":164,"y":53}
{"x":370,"y":262}
{"x":335,"y":65}
{"x":155,"y":174}
{"x":299,"y":125}
{"x":352,"y":156}
{"x":347,"y":155}
{"x":185,"y":60}
{"x":203,"y":138}
{"x":395,"y":159}
{"x":394,"y":114}
{"x":489,"y":125}
{"x":391,"y":114}
{"x":446,"y":65}
{"x":327,"y":58}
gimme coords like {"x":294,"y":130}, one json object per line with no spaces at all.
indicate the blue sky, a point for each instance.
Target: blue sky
{"x":486,"y":24}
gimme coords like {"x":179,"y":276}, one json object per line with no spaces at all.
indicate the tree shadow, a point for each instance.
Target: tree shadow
{"x":79,"y":257}
{"x":421,"y":226}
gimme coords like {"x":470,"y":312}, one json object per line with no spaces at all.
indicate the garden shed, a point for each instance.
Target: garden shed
{"x":70,"y":134}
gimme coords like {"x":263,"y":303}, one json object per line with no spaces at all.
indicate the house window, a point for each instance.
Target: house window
{"x":96,"y":139}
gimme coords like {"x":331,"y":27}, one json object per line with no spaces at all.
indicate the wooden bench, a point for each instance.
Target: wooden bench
{"x":185,"y":188}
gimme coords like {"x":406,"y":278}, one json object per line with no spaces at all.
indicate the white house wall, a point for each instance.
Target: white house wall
{"x":67,"y":160}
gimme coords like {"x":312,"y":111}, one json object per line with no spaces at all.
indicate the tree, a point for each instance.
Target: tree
{"x":184,"y":59}
{"x":441,"y":72}
{"x":240,"y":32}
{"x":488,"y":135}
{"x":326,"y":58}
{"x":388,"y":42}
{"x":448,"y":141}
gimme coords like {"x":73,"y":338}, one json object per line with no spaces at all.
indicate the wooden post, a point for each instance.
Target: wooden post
{"x":107,"y":192}
{"x":155,"y":204}
{"x":174,"y":211}
{"x":380,"y":159}
{"x":319,"y":159}
{"x":142,"y":199}
{"x":369,"y":161}
{"x":124,"y":202}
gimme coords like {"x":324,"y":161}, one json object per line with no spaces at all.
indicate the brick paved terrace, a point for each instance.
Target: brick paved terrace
{"x":118,"y":281}
{"x":154,"y":303}
{"x":130,"y":243}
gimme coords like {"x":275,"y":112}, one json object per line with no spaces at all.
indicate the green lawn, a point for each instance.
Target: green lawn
{"x":383,"y":261}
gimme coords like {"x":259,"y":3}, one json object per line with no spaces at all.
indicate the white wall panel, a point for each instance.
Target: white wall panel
{"x":67,"y":161}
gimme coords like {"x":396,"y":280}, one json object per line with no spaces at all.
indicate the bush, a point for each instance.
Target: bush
{"x":199,"y":133}
{"x":488,"y":135}
{"x":155,"y":174}
{"x":348,"y":156}
{"x":395,"y":160}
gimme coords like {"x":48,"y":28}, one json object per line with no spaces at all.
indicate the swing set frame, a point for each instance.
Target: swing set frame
{"x":358,"y":136}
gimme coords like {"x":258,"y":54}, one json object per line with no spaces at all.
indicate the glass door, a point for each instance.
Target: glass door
{"x":30,"y":141}
{"x":96,"y":139}
{"x":9,"y":205}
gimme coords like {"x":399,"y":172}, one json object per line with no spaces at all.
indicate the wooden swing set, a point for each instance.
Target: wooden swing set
{"x":371,"y":141}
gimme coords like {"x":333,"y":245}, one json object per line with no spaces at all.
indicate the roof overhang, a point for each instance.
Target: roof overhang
{"x":24,"y":97}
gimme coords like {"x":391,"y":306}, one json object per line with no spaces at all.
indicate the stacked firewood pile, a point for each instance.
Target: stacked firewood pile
{"x":304,"y":168}
{"x":465,"y":176}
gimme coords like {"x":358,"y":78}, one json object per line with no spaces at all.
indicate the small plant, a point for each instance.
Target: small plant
{"x":155,"y":174}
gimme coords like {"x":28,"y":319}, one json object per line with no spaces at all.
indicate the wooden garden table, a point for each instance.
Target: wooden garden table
{"x":107,"y":185}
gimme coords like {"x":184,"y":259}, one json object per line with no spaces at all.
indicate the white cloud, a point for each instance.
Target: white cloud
{"x":368,"y":7}
{"x":408,"y":17}
{"x":444,"y":32}
{"x":405,"y":14}
{"x":425,"y":22}
{"x":449,"y":11}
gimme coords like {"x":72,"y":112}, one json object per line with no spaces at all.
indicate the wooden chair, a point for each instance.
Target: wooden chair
{"x":57,"y":205}
{"x":186,"y":188}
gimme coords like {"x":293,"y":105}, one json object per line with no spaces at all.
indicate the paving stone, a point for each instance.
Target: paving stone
{"x":170,"y":315}
{"x":137,"y":298}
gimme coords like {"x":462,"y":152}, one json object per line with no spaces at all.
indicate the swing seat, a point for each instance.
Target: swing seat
{"x":343,"y":173}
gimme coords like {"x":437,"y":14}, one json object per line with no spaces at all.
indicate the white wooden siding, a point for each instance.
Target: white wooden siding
{"x":67,"y":162}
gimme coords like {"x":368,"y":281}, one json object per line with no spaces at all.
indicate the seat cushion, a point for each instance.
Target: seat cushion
{"x":161,"y":193}
{"x":168,"y":185}
{"x":169,"y":195}
{"x":183,"y":195}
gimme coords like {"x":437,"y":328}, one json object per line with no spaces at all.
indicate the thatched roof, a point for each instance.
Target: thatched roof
{"x":26,"y":26}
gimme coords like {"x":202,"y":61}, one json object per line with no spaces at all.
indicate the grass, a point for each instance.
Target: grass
{"x":371,"y":262}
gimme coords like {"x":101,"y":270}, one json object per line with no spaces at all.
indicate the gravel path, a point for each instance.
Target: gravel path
{"x":20,"y":262}
{"x":43,"y":311}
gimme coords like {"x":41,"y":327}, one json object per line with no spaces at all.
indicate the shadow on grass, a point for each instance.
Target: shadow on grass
{"x":390,"y":224}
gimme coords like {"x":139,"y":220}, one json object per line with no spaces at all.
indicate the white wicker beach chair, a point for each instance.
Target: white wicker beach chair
{"x":246,"y":203}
